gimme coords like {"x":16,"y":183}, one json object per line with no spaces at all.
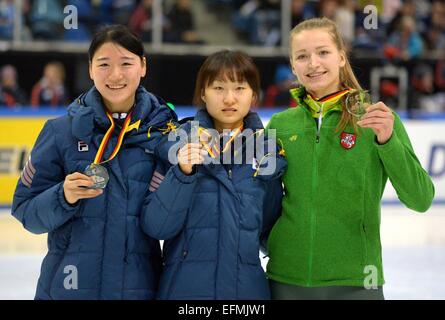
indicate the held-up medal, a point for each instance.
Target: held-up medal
{"x":99,"y":173}
{"x":211,"y":143}
{"x":356,"y":103}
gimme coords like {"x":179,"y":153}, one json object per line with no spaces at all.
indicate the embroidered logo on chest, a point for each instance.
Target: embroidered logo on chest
{"x":82,"y":146}
{"x":347,"y":140}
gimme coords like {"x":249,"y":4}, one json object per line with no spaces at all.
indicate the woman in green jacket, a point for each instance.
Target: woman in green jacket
{"x":326,"y":244}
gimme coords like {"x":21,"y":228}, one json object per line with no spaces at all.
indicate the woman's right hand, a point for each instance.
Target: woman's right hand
{"x":75,"y":188}
{"x":189,"y":155}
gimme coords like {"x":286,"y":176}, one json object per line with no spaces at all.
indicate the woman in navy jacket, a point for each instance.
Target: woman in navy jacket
{"x":213,"y":211}
{"x":97,"y":249}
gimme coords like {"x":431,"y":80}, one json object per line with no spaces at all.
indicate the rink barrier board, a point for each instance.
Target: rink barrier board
{"x":20,"y":128}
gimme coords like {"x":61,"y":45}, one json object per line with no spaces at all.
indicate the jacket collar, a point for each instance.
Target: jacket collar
{"x":329,"y":102}
{"x":88,"y":113}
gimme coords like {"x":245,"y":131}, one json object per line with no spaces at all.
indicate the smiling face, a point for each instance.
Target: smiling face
{"x":116,"y":73}
{"x":228,"y":102}
{"x":316,"y":61}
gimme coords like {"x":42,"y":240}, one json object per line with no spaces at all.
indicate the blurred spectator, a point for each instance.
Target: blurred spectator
{"x":7,"y":13}
{"x":434,"y":34}
{"x":301,"y":10}
{"x":50,"y":90}
{"x":11,"y":95}
{"x":181,"y":24}
{"x":434,"y":39}
{"x":46,"y":18}
{"x":140,"y":22}
{"x":423,"y":96}
{"x":103,"y":10}
{"x":405,"y":43}
{"x":408,"y":9}
{"x":243,"y":18}
{"x":327,"y":8}
{"x":438,"y":14}
{"x":423,"y":14}
{"x":259,"y":21}
{"x":390,"y":10}
{"x":423,"y":79}
{"x":277,"y":94}
{"x":345,"y":19}
{"x":440,"y":75}
{"x":113,"y":11}
{"x":122,"y":10}
{"x":267,"y":23}
{"x":7,"y":9}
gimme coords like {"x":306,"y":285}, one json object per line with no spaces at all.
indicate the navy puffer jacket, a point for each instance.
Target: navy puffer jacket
{"x":96,"y":248}
{"x":213,"y":222}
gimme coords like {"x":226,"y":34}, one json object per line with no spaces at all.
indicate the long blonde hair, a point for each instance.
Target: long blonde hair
{"x":347,"y":77}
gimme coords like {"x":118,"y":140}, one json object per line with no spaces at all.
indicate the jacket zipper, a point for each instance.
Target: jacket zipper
{"x":216,"y":295}
{"x":313,"y":213}
{"x":314,"y":194}
{"x":314,"y":190}
{"x":319,"y":122}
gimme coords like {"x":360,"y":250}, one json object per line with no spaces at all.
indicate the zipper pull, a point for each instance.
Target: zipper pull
{"x":230,"y":174}
{"x":320,"y":121}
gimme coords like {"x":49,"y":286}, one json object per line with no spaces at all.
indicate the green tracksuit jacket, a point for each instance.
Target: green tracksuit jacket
{"x":329,"y":230}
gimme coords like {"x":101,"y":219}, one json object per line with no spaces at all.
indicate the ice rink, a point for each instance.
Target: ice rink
{"x":413,"y":255}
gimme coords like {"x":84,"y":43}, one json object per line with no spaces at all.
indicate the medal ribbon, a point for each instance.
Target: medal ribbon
{"x":332,"y":96}
{"x":214,"y":150}
{"x":209,"y":149}
{"x":106,"y":138}
{"x":329,"y":102}
{"x":227,"y":145}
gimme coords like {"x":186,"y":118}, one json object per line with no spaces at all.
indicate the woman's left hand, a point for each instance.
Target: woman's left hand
{"x":380,"y":119}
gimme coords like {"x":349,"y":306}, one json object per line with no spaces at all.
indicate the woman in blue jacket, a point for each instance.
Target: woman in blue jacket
{"x":216,"y":205}
{"x":87,"y":176}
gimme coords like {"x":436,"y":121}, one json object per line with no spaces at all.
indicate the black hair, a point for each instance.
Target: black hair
{"x":118,"y":34}
{"x":226,"y":65}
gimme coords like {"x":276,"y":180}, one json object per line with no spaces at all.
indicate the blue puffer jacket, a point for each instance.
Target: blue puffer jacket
{"x":213,"y":221}
{"x":98,"y":241}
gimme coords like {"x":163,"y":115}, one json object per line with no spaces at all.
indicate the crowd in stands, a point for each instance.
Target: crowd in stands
{"x":426,"y":88}
{"x":405,"y":27}
{"x":406,"y":30}
{"x":44,"y":19}
{"x":49,"y":91}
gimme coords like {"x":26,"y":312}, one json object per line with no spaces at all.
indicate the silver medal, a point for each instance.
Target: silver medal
{"x":99,"y":175}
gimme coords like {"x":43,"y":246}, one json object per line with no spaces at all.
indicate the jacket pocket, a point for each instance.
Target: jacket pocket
{"x":59,"y":241}
{"x":249,"y":247}
{"x":176,"y":267}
